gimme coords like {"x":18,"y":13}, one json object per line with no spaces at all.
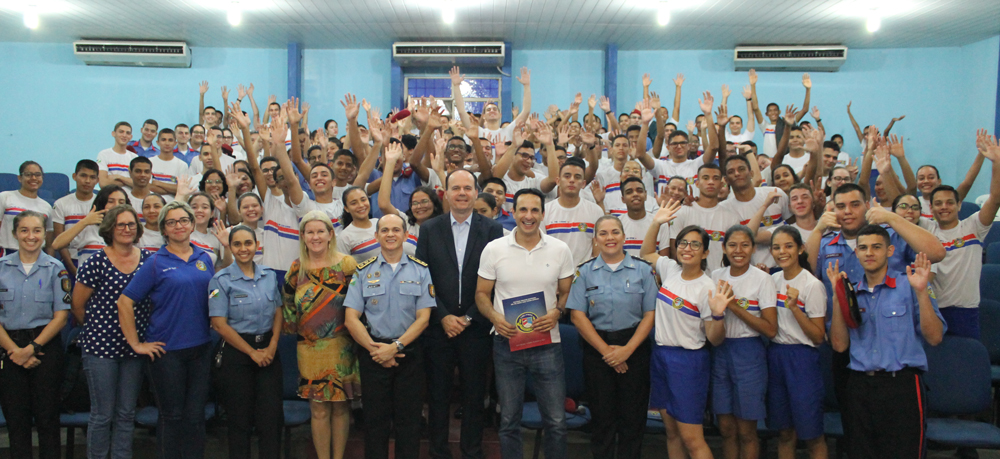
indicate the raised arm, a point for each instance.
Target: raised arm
{"x":992,"y":150}
{"x":610,"y":115}
{"x":393,"y":154}
{"x":857,"y":129}
{"x":753,"y":96}
{"x":544,"y":135}
{"x":919,"y":239}
{"x":253,"y":104}
{"x":202,"y":89}
{"x":294,"y":117}
{"x":351,"y":110}
{"x":678,"y":82}
{"x":896,"y":149}
{"x":892,"y":123}
{"x":525,"y":80}
{"x":970,"y":176}
{"x":891,"y":184}
{"x":295,"y":193}
{"x":719,"y":129}
{"x":779,"y":154}
{"x":807,"y":83}
{"x":646,"y":113}
{"x":243,"y":121}
{"x":63,"y":240}
{"x":751,"y":122}
{"x":225,"y":103}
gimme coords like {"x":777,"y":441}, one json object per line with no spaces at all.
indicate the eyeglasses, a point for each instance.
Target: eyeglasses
{"x":526,"y":155}
{"x":422,"y":202}
{"x":125,"y":226}
{"x":840,"y":179}
{"x":213,"y":182}
{"x":678,"y":144}
{"x":904,"y":206}
{"x":182,"y":221}
{"x":32,"y":175}
{"x":683,"y":244}
{"x":270,"y":170}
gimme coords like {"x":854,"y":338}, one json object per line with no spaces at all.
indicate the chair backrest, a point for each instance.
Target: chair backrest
{"x":989,"y":325}
{"x":958,"y":376}
{"x":826,"y":367}
{"x":989,"y":282}
{"x":57,"y":183}
{"x":993,"y":254}
{"x":288,"y":353}
{"x":572,"y":360}
{"x":992,"y":237}
{"x":9,"y":182}
{"x":967,"y":209}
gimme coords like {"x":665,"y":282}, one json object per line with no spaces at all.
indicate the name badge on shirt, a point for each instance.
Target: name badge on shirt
{"x":592,"y":288}
{"x":834,"y":255}
{"x":240,"y":295}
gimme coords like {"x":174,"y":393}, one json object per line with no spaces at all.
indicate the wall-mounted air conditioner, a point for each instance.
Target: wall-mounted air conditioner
{"x":133,"y":53}
{"x":474,"y":53}
{"x":790,"y":58}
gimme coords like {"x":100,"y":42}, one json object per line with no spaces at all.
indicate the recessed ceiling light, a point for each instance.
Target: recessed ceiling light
{"x":234,"y":14}
{"x":874,"y":23}
{"x":31,"y":18}
{"x":663,"y":13}
{"x":448,"y":14}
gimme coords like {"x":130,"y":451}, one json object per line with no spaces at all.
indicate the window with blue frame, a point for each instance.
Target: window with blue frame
{"x":476,"y":91}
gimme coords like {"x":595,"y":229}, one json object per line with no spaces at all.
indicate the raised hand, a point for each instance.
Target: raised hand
{"x":597,"y":190}
{"x":814,"y":141}
{"x":725,"y":91}
{"x":706,"y":103}
{"x":305,"y":108}
{"x":271,"y":99}
{"x":351,"y":109}
{"x":563,"y":131}
{"x":393,"y":152}
{"x":876,"y":214}
{"x":679,"y":80}
{"x":543,"y":133}
{"x":807,"y":81}
{"x":833,"y":271}
{"x":592,"y":101}
{"x":752,"y":76}
{"x":992,"y":150}
{"x":292,"y":107}
{"x":690,"y":125}
{"x":225,"y":93}
{"x":896,"y":146}
{"x":721,"y":115}
{"x":919,"y":273}
{"x":883,"y":162}
{"x":514,"y":111}
{"x":203,"y":87}
{"x":747,"y":92}
{"x":236,"y":114}
{"x":719,"y":299}
{"x":815,"y":113}
{"x":667,"y":212}
{"x":241,"y":91}
{"x":250,"y":90}
{"x":367,"y":106}
{"x":605,"y":104}
{"x":646,"y":81}
{"x":790,"y":114}
{"x":899,"y":118}
{"x":827,"y":220}
{"x":654,"y":101}
{"x":232,"y":178}
{"x":94,"y":217}
{"x":456,"y":76}
{"x":645,"y":111}
{"x":525,"y":78}
{"x":220,"y":231}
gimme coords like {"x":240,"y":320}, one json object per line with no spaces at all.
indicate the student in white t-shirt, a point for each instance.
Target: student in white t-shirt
{"x":928,"y":178}
{"x":166,"y":167}
{"x":736,"y":134}
{"x":613,"y":192}
{"x":705,"y":213}
{"x":739,"y":367}
{"x":569,"y":218}
{"x":13,"y":202}
{"x":83,"y":237}
{"x":745,"y":201}
{"x":794,"y":379}
{"x":152,"y":238}
{"x":491,"y":115}
{"x":357,"y":238}
{"x":774,"y":121}
{"x":113,"y":162}
{"x":69,"y":210}
{"x":688,"y":314}
{"x":803,"y":210}
{"x":956,"y":284}
{"x":516,"y":163}
{"x":677,"y":143}
{"x":637,"y":220}
{"x":209,"y":234}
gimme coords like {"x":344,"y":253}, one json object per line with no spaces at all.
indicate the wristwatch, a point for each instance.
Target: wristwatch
{"x":36,"y":347}
{"x":399,"y":345}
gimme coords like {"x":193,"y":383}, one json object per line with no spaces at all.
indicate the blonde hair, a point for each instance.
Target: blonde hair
{"x":348,"y":264}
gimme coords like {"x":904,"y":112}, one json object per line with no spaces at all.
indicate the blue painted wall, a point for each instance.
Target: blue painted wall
{"x":556,"y":77}
{"x":945,"y":93}
{"x":58,"y":110}
{"x":330,"y":74}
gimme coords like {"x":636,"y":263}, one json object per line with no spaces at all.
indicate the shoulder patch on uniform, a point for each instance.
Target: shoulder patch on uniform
{"x":367,"y":262}
{"x":588,"y":261}
{"x":417,"y":260}
{"x":641,"y":259}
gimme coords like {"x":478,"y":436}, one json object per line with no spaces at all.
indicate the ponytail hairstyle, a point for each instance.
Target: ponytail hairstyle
{"x":797,"y":239}
{"x":729,"y":234}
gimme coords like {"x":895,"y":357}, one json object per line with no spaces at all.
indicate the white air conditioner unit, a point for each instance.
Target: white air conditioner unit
{"x":133,"y":53}
{"x":790,"y":58}
{"x":473,"y":53}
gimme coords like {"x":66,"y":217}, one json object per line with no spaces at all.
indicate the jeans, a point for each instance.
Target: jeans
{"x":180,"y":381}
{"x":470,"y":352}
{"x":114,"y":387}
{"x":545,"y":365}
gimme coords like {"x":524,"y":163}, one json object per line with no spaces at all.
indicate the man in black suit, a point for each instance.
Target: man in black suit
{"x":458,"y":334}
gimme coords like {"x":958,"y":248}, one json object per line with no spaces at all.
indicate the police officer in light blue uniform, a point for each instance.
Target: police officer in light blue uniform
{"x":395,"y":294}
{"x":244,"y":303}
{"x":612,"y":303}
{"x":34,"y":307}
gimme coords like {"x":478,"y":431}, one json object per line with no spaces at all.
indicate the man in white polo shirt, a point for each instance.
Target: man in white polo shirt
{"x":569,"y":218}
{"x":527,"y":264}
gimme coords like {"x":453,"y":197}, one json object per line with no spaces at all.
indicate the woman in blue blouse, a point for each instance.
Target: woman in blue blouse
{"x":114,"y":371}
{"x":34,"y":304}
{"x":177,"y":339}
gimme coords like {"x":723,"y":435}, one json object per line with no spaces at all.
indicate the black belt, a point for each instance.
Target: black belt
{"x":251,"y":339}
{"x":617,"y":335}
{"x":25,"y":335}
{"x":907,"y":371}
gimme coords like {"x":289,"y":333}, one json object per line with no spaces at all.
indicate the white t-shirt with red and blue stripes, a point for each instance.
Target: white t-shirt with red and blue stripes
{"x":957,"y":281}
{"x":359,"y":243}
{"x":573,"y":225}
{"x":681,"y":307}
{"x":68,"y":211}
{"x":114,"y":163}
{"x":12,"y":203}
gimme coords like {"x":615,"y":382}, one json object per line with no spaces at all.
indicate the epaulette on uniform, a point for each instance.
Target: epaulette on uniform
{"x":588,"y":261}
{"x":641,"y":259}
{"x":367,"y":262}
{"x":417,"y":260}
